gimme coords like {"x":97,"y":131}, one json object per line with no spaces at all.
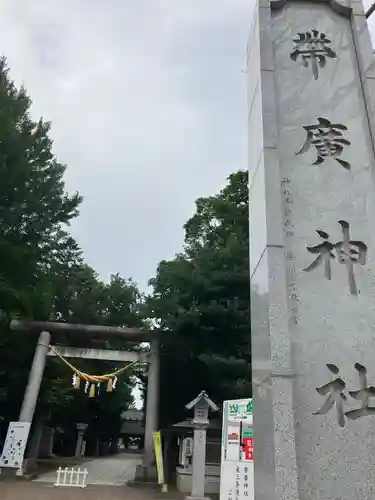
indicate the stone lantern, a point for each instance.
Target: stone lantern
{"x":201,"y":405}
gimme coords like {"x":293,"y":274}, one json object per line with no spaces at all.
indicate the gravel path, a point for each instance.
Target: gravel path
{"x":115,"y":470}
{"x":24,"y":490}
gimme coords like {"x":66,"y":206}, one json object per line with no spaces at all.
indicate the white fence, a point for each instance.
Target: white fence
{"x":71,"y":477}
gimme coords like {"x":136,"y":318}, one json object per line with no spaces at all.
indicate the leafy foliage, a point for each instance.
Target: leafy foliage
{"x":203,"y":297}
{"x":33,"y":200}
{"x":42,"y":271}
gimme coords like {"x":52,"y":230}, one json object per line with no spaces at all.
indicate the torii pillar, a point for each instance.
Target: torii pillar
{"x":152,"y":403}
{"x":36,"y":373}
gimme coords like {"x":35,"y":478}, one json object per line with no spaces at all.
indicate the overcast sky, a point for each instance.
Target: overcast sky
{"x":147,"y":100}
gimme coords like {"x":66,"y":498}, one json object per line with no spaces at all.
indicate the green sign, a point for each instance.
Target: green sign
{"x":233,"y":409}
{"x":248,"y":433}
{"x":245,"y":407}
{"x":249,"y":406}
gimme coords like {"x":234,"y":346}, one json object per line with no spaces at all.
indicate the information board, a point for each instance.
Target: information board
{"x":237,"y":467}
{"x":15,"y":445}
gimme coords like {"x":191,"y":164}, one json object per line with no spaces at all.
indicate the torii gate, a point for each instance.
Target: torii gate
{"x":43,"y":349}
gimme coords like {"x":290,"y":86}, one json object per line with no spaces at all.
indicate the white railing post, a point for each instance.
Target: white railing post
{"x":79,"y":480}
{"x":58,"y":476}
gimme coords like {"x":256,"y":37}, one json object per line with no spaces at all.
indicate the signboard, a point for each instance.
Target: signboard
{"x":186,"y":451}
{"x":15,"y":445}
{"x":237,"y":467}
{"x":158,"y":456}
{"x":248,"y":448}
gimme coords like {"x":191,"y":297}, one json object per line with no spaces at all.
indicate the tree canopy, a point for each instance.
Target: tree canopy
{"x":43,"y":274}
{"x":201,"y":297}
{"x":33,"y":201}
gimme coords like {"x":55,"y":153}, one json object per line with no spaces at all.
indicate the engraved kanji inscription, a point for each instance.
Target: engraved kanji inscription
{"x":334,"y":390}
{"x":349,"y":252}
{"x":325,"y":254}
{"x":328,"y":141}
{"x":314,"y":47}
{"x":287,"y":202}
{"x":362,"y":395}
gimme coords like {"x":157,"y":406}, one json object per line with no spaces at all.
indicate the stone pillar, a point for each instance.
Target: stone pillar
{"x":31,"y":397}
{"x":152,"y":403}
{"x":311,"y":82}
{"x":201,"y":405}
{"x":35,"y":378}
{"x":199,"y":463}
{"x":46,"y":443}
{"x":81,"y":428}
{"x":50,"y":442}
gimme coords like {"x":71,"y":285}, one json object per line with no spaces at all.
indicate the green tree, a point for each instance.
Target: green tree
{"x":33,"y":200}
{"x":42,"y":271}
{"x":81,"y":297}
{"x":77,"y":295}
{"x":34,"y":206}
{"x":202,"y":296}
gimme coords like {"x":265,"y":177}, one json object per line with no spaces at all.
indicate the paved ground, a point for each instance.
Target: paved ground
{"x":115,"y":470}
{"x":21,"y":490}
